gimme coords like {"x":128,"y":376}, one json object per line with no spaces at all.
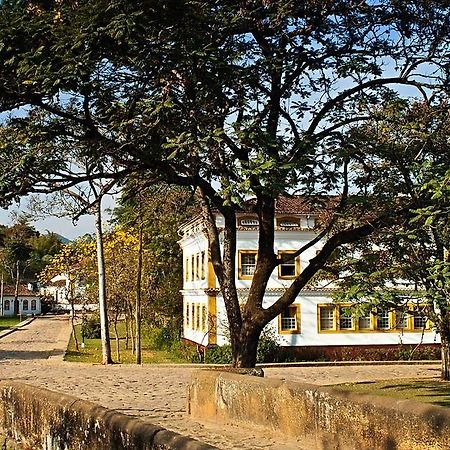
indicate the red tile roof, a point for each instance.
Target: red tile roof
{"x":295,"y":204}
{"x":9,"y":290}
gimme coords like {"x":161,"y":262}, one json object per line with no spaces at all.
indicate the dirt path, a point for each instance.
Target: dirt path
{"x":156,"y":393}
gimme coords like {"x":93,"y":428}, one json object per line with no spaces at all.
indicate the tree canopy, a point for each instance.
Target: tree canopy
{"x":237,"y":99}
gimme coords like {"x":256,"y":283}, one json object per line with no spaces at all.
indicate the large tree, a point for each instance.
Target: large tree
{"x":237,"y":99}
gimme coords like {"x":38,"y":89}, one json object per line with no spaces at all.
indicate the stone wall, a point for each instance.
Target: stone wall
{"x":39,"y":418}
{"x":322,"y":418}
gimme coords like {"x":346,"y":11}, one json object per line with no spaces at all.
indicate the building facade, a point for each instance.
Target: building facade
{"x":313,"y":321}
{"x":29,"y":301}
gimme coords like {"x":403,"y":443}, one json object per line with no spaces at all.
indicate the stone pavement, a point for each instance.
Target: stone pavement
{"x":157,"y":393}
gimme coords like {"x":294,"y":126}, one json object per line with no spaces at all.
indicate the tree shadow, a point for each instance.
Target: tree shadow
{"x":25,"y":355}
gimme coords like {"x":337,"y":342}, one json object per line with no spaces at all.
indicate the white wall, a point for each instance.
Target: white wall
{"x":22,"y":311}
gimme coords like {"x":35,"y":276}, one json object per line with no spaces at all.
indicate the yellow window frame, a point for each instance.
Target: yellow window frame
{"x":245,"y":252}
{"x":319,"y":327}
{"x":297,"y":330}
{"x":297,"y":265}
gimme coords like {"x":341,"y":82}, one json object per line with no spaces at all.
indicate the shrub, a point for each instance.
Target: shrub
{"x":162,"y":338}
{"x":90,"y":327}
{"x":218,"y":355}
{"x":268,"y":348}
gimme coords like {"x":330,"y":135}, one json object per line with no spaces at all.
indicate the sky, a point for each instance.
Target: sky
{"x":63,"y":226}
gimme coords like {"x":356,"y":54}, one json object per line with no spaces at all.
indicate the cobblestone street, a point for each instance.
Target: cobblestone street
{"x":156,"y":393}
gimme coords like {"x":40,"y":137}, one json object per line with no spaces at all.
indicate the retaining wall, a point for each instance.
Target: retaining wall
{"x":323,"y":418}
{"x":39,"y":418}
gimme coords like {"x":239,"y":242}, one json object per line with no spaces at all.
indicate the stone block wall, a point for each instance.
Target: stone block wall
{"x":39,"y":418}
{"x":322,"y":418}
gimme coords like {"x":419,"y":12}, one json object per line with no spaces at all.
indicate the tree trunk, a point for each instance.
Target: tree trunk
{"x":16,"y":290}
{"x":104,"y":327}
{"x":244,"y":348}
{"x":117,"y":338}
{"x":445,"y":347}
{"x":138,"y":299}
{"x":72,"y":318}
{"x":445,"y":355}
{"x":127,"y":334}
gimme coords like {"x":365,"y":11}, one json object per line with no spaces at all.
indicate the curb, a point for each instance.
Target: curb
{"x":350,"y":363}
{"x":16,"y":327}
{"x":293,"y":364}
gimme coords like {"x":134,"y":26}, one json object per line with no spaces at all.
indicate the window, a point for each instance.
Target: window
{"x":25,"y":305}
{"x":248,"y":222}
{"x":288,"y":269}
{"x":187,"y":315}
{"x":246,"y":264}
{"x":192,"y":267}
{"x":364,"y":322}
{"x":420,"y":319}
{"x":383,"y":319}
{"x":192,"y":322}
{"x":345,"y":318}
{"x":204,"y":318}
{"x":7,"y":305}
{"x":33,"y":305}
{"x":186,"y":269}
{"x":288,"y":222}
{"x":289,"y":320}
{"x":198,"y":320}
{"x":198,"y":266}
{"x":203,"y":265}
{"x":326,"y":315}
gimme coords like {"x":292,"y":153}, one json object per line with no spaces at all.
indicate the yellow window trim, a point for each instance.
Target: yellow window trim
{"x":297,"y":319}
{"x":373,"y":321}
{"x":245,"y":252}
{"x":297,"y":265}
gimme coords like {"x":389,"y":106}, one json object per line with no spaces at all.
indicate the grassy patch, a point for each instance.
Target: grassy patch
{"x":92,"y":353}
{"x":432,"y":390}
{"x":8,"y":322}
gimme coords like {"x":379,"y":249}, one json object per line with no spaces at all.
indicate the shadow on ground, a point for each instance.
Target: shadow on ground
{"x":25,"y":355}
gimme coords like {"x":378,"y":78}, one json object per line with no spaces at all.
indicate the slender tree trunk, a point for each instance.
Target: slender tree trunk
{"x":127,"y":334}
{"x":2,"y":312}
{"x":72,"y":318}
{"x":16,"y":290}
{"x":104,"y":327}
{"x":117,"y":337}
{"x":445,"y":347}
{"x":132,"y":330}
{"x":138,"y":299}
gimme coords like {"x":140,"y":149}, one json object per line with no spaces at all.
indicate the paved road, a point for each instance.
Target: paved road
{"x":155,"y":393}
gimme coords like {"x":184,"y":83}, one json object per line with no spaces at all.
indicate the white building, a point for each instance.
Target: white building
{"x":59,"y":290}
{"x":313,"y":322}
{"x":29,"y":301}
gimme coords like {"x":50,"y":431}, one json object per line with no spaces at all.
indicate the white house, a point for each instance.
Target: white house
{"x":59,"y":291}
{"x":29,"y":301}
{"x":313,"y":322}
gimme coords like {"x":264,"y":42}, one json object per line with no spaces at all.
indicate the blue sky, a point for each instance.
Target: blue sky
{"x":62,"y":226}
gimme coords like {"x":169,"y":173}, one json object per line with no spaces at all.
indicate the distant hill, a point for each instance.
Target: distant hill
{"x":60,"y":238}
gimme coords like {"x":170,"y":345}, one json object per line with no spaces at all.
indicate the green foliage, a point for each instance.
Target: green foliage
{"x":163,"y":338}
{"x":218,"y":355}
{"x":90,"y":327}
{"x":268,"y":351}
{"x":268,"y":348}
